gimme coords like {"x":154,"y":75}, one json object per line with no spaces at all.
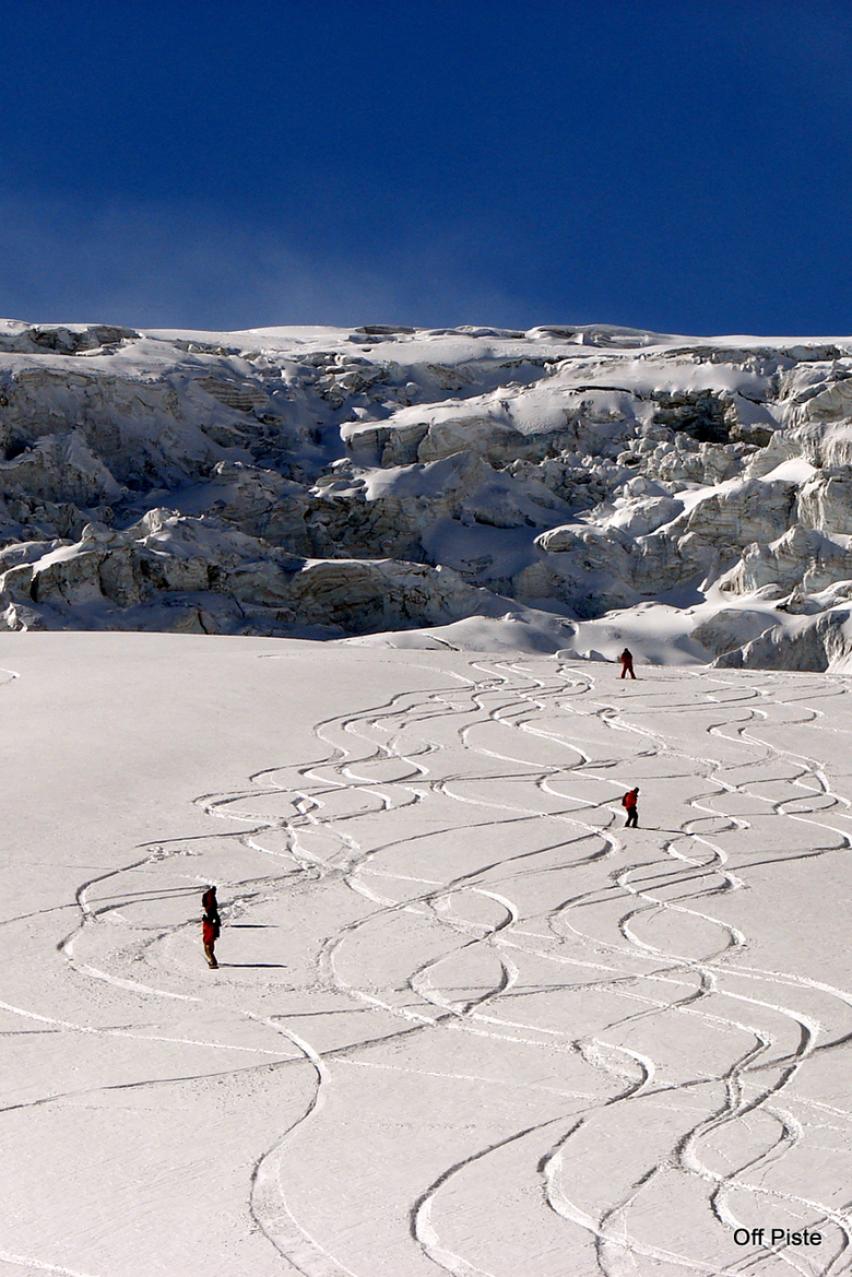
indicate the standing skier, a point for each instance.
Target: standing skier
{"x":631,"y":802}
{"x":626,"y":659}
{"x":211,"y":925}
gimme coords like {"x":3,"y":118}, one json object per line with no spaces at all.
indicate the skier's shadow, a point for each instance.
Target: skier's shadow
{"x":662,"y":829}
{"x":280,"y":966}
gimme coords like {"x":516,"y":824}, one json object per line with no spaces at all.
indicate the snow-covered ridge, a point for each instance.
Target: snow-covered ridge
{"x":592,"y":484}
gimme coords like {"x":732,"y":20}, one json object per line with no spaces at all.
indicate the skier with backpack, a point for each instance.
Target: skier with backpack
{"x":211,"y":925}
{"x":626,"y":659}
{"x":630,"y":801}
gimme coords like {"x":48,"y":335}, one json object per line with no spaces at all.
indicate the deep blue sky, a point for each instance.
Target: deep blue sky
{"x":683,"y":166}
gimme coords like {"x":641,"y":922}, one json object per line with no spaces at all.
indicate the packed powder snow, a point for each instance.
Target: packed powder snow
{"x":464,"y":1019}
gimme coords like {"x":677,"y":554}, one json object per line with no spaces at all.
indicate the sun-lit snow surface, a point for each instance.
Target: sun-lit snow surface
{"x":464,"y":1020}
{"x":326,"y":482}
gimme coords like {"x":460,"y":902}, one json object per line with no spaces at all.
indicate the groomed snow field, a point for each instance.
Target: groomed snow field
{"x":464,"y":1019}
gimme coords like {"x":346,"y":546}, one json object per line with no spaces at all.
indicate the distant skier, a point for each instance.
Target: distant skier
{"x":626,"y":659}
{"x":631,"y":802}
{"x":211,"y":925}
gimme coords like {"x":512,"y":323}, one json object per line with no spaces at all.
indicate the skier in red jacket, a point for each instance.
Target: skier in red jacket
{"x":631,"y":802}
{"x":626,"y":659}
{"x":211,"y":924}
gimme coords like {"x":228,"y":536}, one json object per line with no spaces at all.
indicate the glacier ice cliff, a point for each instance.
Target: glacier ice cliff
{"x":595,"y":484}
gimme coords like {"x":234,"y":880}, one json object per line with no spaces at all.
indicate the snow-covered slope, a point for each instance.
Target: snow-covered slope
{"x":595,"y":485}
{"x":464,"y":1022}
